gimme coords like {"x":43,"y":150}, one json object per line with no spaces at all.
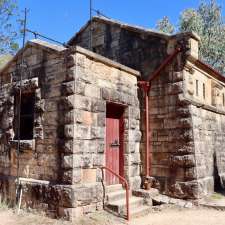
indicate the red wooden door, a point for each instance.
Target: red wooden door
{"x":112,"y":149}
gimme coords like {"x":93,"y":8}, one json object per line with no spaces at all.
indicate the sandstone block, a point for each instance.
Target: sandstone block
{"x":98,"y":106}
{"x":135,"y":182}
{"x":70,"y":213}
{"x":70,"y":61}
{"x":70,"y":74}
{"x":183,"y":161}
{"x":69,"y":131}
{"x":71,"y":176}
{"x":92,"y":91}
{"x":98,"y":159}
{"x":67,"y":197}
{"x":87,"y":160}
{"x":89,"y":175}
{"x":68,"y":102}
{"x":68,"y":88}
{"x":97,"y":132}
{"x":71,"y":161}
{"x":82,"y":102}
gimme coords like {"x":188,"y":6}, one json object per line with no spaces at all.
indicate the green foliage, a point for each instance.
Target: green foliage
{"x":10,"y":25}
{"x":207,"y":21}
{"x":190,"y":20}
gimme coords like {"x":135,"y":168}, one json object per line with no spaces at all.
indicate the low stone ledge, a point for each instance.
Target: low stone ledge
{"x":146,"y":193}
{"x":158,"y":199}
{"x":34,"y":181}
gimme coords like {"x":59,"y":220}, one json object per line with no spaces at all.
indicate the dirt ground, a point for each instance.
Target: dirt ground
{"x":162,"y":216}
{"x":194,"y":216}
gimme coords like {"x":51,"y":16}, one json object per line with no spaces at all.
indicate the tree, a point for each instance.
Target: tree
{"x":207,"y":21}
{"x":10,"y":24}
{"x":164,"y":25}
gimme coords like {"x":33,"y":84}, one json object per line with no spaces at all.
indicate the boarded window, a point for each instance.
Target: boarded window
{"x":26,"y":117}
{"x":196,"y":87}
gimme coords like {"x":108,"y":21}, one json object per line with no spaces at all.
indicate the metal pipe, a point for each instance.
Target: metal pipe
{"x":145,"y":85}
{"x":20,"y":96}
{"x":20,"y":199}
{"x":36,"y":34}
{"x":147,"y":133}
{"x":126,"y":188}
{"x":99,"y":13}
{"x":90,"y":12}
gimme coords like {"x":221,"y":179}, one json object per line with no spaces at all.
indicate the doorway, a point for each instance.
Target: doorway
{"x":114,"y":141}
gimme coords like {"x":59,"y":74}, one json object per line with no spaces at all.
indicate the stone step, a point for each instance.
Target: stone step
{"x":140,"y":211}
{"x":115,"y":201}
{"x":116,"y":195}
{"x":114,"y":187}
{"x":119,"y":206}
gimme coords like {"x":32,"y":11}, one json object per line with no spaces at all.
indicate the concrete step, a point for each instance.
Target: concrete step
{"x":113,"y":188}
{"x":140,"y":211}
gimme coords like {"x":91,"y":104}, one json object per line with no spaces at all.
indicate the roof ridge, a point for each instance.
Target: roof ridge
{"x":131,"y":25}
{"x":134,"y":28}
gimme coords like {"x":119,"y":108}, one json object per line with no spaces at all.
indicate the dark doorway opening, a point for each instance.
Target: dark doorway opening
{"x":217,"y":181}
{"x":26,"y":116}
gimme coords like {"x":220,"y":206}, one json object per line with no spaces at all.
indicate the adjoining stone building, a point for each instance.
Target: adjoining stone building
{"x":186,"y":104}
{"x":82,"y":109}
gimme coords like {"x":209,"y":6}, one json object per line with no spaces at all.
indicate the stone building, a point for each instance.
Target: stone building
{"x":81,"y":110}
{"x":70,"y":98}
{"x":186,"y":104}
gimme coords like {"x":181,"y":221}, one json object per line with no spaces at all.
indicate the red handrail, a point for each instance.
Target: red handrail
{"x":126,"y":187}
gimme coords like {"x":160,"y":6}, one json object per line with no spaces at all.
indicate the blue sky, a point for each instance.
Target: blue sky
{"x":60,"y":19}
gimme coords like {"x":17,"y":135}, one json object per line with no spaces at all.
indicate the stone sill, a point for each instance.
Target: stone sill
{"x":32,"y":181}
{"x":24,"y":144}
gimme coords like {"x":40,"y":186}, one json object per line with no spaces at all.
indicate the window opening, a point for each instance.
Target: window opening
{"x":26,"y":116}
{"x":196,"y":87}
{"x":203,"y":86}
{"x":223,"y":99}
